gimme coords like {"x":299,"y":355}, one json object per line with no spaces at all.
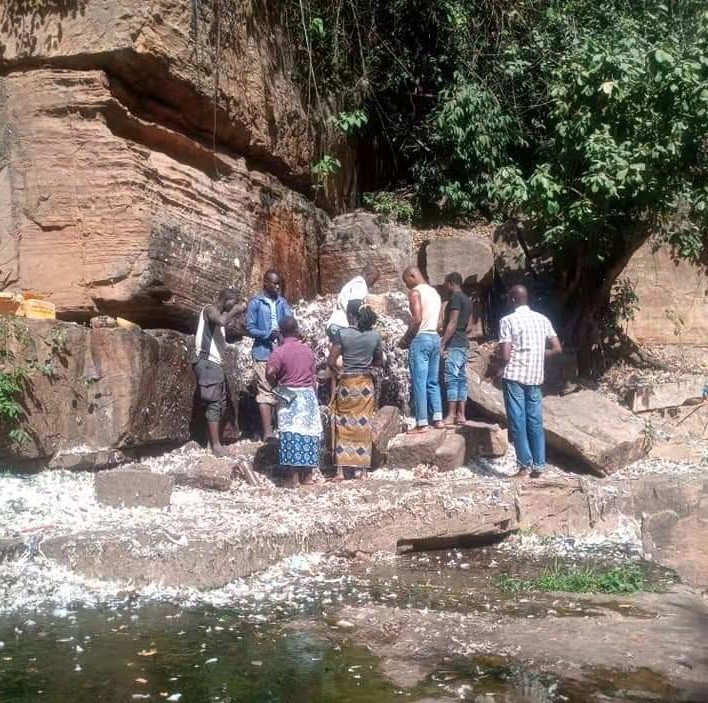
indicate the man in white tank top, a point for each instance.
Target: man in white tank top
{"x":209,"y":347}
{"x":422,"y":339}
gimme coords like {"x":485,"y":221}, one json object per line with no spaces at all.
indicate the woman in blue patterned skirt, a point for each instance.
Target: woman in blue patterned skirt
{"x":291,"y":371}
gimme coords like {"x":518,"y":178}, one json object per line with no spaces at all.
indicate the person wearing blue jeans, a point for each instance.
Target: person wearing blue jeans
{"x":424,"y":361}
{"x":527,"y":339}
{"x":524,"y":412}
{"x":422,"y":339}
{"x":456,"y":348}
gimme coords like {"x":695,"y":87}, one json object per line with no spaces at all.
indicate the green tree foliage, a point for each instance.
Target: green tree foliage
{"x":586,"y":120}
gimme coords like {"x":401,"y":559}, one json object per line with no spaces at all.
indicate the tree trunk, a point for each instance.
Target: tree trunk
{"x":585,"y":297}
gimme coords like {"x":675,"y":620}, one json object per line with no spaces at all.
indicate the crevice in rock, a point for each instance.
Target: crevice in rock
{"x":462,"y":541}
{"x":144,"y":84}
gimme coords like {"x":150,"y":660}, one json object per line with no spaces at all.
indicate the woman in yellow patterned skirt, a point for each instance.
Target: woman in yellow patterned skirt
{"x":354,"y":402}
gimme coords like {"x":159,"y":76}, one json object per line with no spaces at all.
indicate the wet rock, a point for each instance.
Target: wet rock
{"x":359,"y":238}
{"x":450,"y":455}
{"x":584,"y":427}
{"x":666,"y":395}
{"x":471,"y":256}
{"x":483,"y":439}
{"x":209,"y":473}
{"x":130,"y":488}
{"x":405,"y":451}
{"x":386,"y":424}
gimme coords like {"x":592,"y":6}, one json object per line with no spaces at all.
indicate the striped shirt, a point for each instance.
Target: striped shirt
{"x":527,"y":332}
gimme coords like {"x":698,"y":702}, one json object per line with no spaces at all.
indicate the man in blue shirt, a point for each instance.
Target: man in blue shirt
{"x":263,"y":317}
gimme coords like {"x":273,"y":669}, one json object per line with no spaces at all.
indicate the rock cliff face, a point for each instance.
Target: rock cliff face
{"x":94,"y":396}
{"x":673,"y":299}
{"x":122,"y":189}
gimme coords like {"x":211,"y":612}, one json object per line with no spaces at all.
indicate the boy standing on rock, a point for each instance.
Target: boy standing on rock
{"x":265,"y":313}
{"x":526,"y":340}
{"x":210,"y":343}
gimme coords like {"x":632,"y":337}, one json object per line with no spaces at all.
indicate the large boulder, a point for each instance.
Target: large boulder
{"x":470,"y":255}
{"x":359,"y":238}
{"x":673,"y":298}
{"x":106,"y":209}
{"x":588,"y":430}
{"x":97,"y":396}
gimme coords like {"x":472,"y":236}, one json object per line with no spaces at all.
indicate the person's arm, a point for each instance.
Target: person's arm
{"x":334,"y":353}
{"x":378,"y":356}
{"x":274,"y":368}
{"x":252,"y":321}
{"x":287,"y":312}
{"x":505,"y":341}
{"x":216,"y":317}
{"x":554,"y":347}
{"x":416,"y":307}
{"x":451,"y":328}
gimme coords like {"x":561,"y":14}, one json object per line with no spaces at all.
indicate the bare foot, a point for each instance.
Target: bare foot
{"x":450,"y":421}
{"x":420,"y":429}
{"x":460,"y":420}
{"x":307,"y":480}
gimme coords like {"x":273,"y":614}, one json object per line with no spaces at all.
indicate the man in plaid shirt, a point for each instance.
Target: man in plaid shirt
{"x":527,"y":339}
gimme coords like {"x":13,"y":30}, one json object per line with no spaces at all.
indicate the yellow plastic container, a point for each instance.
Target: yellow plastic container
{"x":39,"y":309}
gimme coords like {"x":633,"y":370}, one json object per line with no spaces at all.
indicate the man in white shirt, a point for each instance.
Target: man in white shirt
{"x":526,"y":340}
{"x":356,"y":289}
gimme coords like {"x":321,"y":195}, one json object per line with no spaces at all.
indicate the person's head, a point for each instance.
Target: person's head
{"x":371,"y":274}
{"x":453,"y":282}
{"x":289,"y":327}
{"x":518,"y":295}
{"x":361,"y":316}
{"x":271,"y":283}
{"x":228,"y":298}
{"x":412,"y":277}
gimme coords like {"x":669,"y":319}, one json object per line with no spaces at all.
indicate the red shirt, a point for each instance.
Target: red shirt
{"x":293,"y":364}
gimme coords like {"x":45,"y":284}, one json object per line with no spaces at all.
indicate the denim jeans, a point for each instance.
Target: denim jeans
{"x":524,"y":411}
{"x":424,"y":361}
{"x":456,"y":374}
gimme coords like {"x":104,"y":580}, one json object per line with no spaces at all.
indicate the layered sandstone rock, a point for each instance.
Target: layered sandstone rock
{"x":106,"y":212}
{"x":147,"y":165}
{"x":166,"y":56}
{"x":673,"y":298}
{"x":359,"y":238}
{"x":94,"y":395}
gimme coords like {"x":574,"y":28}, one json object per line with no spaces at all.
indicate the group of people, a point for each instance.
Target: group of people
{"x":286,"y":374}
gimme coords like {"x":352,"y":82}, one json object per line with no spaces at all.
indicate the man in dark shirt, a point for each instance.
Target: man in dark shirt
{"x":456,"y":348}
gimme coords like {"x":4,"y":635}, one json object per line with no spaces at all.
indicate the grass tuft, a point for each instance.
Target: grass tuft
{"x":627,"y":578}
